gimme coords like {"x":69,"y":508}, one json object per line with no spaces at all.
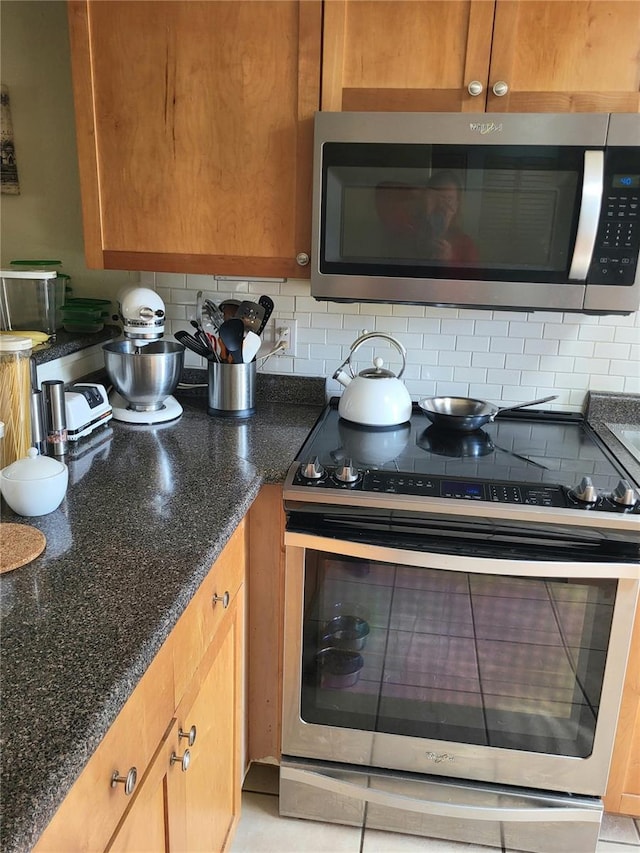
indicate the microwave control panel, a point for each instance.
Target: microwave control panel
{"x":615,"y":256}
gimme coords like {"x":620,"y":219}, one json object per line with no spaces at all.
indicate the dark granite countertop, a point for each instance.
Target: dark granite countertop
{"x":147,"y":511}
{"x":66,"y":343}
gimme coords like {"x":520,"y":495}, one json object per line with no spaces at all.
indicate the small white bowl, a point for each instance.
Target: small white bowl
{"x":35,"y":485}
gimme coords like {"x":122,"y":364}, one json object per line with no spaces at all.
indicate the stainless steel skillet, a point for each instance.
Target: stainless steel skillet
{"x":465,"y":414}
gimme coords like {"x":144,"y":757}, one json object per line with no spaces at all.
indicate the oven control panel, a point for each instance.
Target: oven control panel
{"x":624,"y":498}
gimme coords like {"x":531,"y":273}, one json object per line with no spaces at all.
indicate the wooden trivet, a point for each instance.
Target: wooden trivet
{"x":19,"y":545}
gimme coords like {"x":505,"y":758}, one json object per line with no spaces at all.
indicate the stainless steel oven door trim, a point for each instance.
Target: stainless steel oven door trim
{"x":478,"y":565}
{"x":489,"y":764}
{"x":459,"y":811}
{"x":589,"y":217}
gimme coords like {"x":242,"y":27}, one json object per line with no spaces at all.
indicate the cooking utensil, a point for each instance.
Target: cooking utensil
{"x":251,"y":314}
{"x":376,"y":396}
{"x":192,"y":343}
{"x":229,"y":308}
{"x":267,"y":303}
{"x":232,"y":334}
{"x":144,"y":374}
{"x":346,"y":632}
{"x":466,"y":414}
{"x":250,"y":346}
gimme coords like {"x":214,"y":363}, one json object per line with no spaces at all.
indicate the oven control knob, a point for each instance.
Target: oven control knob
{"x":312,"y":470}
{"x":625,"y":495}
{"x":346,"y":473}
{"x":585,"y":491}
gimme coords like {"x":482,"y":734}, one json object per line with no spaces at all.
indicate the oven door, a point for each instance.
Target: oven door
{"x":471,"y":667}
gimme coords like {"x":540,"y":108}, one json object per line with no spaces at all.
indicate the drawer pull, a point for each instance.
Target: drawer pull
{"x":129,"y":781}
{"x":190,"y":735}
{"x":183,"y":760}
{"x":225,"y":599}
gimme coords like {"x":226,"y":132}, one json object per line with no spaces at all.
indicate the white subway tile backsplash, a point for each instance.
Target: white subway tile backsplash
{"x":171,"y":279}
{"x":507,"y":345}
{"x":455,"y":358}
{"x":609,"y":350}
{"x":506,"y":356}
{"x":492,"y":328}
{"x":596,"y":333}
{"x":526,"y":330}
{"x":556,"y":363}
{"x":473,"y":343}
{"x":541,"y":347}
{"x":520,"y":361}
{"x":470,"y":374}
{"x":579,"y":348}
{"x":488,"y":359}
{"x":457,"y":327}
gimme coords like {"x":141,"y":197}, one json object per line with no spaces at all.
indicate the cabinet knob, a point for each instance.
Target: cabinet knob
{"x":182,"y":760}
{"x":302,"y":259}
{"x":190,"y":735}
{"x":500,"y":88}
{"x":225,"y":599}
{"x":475,"y":88}
{"x":129,"y":781}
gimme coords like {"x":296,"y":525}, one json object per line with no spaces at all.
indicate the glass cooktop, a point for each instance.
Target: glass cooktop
{"x":534,"y":447}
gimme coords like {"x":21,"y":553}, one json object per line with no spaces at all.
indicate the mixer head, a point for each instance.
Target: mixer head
{"x":142,"y":313}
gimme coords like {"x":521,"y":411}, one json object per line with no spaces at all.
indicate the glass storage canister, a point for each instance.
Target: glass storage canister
{"x":15,"y":396}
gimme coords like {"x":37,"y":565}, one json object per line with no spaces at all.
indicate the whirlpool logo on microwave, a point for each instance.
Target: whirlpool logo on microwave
{"x":484,"y":127}
{"x":439,"y":757}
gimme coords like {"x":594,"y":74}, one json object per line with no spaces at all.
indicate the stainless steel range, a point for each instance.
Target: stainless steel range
{"x":458,"y":618}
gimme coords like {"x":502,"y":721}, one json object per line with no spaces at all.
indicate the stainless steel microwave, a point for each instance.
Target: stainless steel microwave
{"x":497,"y":211}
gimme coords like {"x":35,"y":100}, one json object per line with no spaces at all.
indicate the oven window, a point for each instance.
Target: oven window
{"x":502,"y":212}
{"x":516,"y":663}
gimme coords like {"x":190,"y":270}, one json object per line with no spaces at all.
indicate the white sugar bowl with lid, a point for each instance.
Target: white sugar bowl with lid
{"x":35,"y":485}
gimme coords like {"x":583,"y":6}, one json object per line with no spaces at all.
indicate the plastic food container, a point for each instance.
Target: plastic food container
{"x":85,"y":315}
{"x":35,"y":485}
{"x":28,"y":301}
{"x":62,"y":285}
{"x":15,"y":396}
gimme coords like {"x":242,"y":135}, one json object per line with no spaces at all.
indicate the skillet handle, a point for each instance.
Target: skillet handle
{"x":524,"y":405}
{"x":367,"y":336}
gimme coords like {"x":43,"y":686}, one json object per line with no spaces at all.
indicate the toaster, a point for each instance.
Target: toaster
{"x":87,"y":407}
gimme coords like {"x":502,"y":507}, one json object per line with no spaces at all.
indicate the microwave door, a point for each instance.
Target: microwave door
{"x":589,"y":217}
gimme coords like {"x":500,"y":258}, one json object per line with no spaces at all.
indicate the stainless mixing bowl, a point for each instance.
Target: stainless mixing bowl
{"x":144,"y":374}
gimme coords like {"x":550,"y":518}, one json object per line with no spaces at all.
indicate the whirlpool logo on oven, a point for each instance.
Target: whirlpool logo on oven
{"x":484,"y":127}
{"x":439,"y":757}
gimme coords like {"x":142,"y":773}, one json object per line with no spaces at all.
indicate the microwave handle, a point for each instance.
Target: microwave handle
{"x":592,"y":184}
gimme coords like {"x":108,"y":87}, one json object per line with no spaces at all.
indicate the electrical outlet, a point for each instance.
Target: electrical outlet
{"x":286,"y":330}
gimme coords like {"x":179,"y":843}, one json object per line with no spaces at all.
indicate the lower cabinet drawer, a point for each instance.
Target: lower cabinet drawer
{"x":199,"y":623}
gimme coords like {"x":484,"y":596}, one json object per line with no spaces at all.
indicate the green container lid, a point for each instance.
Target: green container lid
{"x":36,"y":263}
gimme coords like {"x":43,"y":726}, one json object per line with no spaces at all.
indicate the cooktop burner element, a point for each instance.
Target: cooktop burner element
{"x":546,"y":460}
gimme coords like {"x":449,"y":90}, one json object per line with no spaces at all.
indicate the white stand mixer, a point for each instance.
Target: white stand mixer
{"x":144,"y":370}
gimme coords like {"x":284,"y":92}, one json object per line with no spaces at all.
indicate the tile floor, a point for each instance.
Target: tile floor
{"x":262,"y":830}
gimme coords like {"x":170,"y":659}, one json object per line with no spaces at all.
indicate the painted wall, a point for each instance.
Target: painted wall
{"x":504,"y":357}
{"x":45,"y":220}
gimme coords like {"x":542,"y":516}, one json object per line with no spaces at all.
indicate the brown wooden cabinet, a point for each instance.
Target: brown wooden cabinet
{"x":196,"y":680}
{"x":517,"y":55}
{"x":623,"y":789}
{"x":194,"y":124}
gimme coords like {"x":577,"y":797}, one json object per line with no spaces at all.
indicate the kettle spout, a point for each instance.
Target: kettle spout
{"x":342,"y":377}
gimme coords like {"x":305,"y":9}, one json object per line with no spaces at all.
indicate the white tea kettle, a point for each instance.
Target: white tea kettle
{"x":375,"y":396}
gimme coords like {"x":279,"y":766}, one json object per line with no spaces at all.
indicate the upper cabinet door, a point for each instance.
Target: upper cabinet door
{"x":509,"y":55}
{"x":565,"y":56}
{"x":195,"y":125}
{"x":407,"y":55}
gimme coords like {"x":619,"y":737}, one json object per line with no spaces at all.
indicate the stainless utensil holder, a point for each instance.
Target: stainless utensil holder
{"x":232,"y":389}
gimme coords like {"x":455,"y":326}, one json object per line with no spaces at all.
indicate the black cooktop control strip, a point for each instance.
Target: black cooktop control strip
{"x":394,"y":483}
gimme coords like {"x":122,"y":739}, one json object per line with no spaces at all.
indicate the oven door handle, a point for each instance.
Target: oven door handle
{"x":426,"y":559}
{"x":460,"y":811}
{"x":592,"y":184}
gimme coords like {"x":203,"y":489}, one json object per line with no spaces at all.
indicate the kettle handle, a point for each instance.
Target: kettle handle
{"x":367,"y":336}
